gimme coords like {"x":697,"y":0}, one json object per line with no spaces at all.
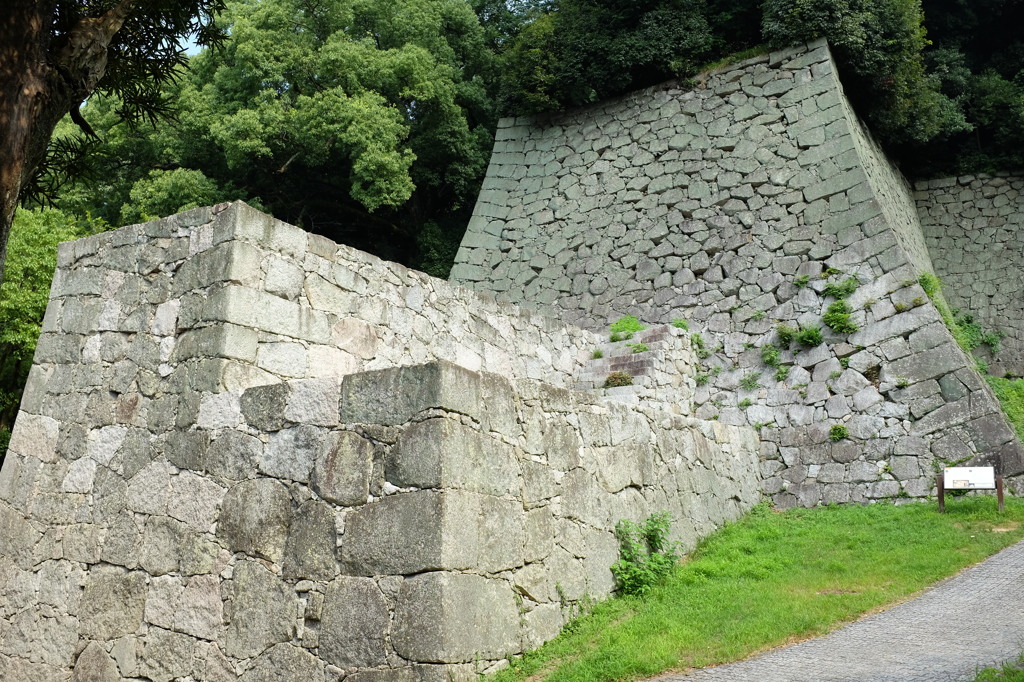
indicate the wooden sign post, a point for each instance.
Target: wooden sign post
{"x":968,"y":478}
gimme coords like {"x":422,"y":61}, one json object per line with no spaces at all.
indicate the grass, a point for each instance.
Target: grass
{"x":766,"y":581}
{"x":1008,"y":672}
{"x":1011,"y":396}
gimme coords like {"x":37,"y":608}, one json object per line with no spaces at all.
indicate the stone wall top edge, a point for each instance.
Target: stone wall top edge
{"x":774,"y":58}
{"x":926,"y":184}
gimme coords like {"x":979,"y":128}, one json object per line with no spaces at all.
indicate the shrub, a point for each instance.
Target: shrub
{"x":745,"y":403}
{"x":930,"y":283}
{"x":770,"y":355}
{"x":750,"y":381}
{"x":838,"y":432}
{"x":697,"y":341}
{"x":639,"y":347}
{"x":801,"y":281}
{"x":782,"y":373}
{"x":838,"y":319}
{"x":701,"y":379}
{"x":809,"y":336}
{"x":842,"y":289}
{"x":645,"y":554}
{"x":786,"y":334}
{"x":627,"y":325}
{"x":616,"y":379}
{"x":680,"y":323}
{"x":598,"y":354}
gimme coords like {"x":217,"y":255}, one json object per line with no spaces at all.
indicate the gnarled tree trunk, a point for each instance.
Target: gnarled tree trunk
{"x":42,"y":76}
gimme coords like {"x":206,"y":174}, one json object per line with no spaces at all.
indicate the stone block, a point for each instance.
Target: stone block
{"x":342,"y":469}
{"x":355,"y":624}
{"x":443,"y":453}
{"x":254,"y":518}
{"x":313,"y":402}
{"x":453,"y":618}
{"x":95,"y":665}
{"x":291,"y":453}
{"x":112,"y":603}
{"x":194,"y":500}
{"x":284,"y":663}
{"x":264,"y":406}
{"x":260,"y":611}
{"x":309,"y":549}
{"x":394,"y":396}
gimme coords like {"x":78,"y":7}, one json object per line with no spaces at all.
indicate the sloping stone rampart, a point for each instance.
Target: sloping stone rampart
{"x":975,"y":229}
{"x":736,"y":204}
{"x":231,"y":461}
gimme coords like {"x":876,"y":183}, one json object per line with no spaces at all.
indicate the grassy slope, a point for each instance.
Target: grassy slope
{"x":774,"y":578}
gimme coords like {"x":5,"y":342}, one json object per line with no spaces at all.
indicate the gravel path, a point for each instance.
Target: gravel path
{"x":970,"y":621}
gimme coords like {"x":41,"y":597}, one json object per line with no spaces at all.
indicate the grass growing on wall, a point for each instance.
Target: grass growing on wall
{"x":765,"y":581}
{"x":1011,"y":395}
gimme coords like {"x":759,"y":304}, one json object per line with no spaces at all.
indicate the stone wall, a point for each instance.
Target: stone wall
{"x":975,"y":230}
{"x":231,"y":461}
{"x":735,"y":204}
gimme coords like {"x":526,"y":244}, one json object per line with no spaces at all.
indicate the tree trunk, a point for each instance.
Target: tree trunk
{"x":39,"y":82}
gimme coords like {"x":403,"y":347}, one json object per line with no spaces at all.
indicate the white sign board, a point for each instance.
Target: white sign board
{"x":970,"y":478}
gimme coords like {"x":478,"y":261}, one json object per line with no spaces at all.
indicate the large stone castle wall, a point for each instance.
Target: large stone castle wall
{"x":975,"y":229}
{"x":245,"y":450}
{"x":733,"y":204}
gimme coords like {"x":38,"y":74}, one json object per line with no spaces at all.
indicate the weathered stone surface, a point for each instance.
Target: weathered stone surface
{"x":393,"y":396}
{"x":112,"y":603}
{"x":283,"y":663}
{"x":309,"y":549}
{"x":290,"y":453}
{"x":260,"y":612}
{"x":355,"y":623}
{"x":254,"y":518}
{"x":342,"y":469}
{"x":482,"y":624}
{"x":442,"y":453}
{"x":95,"y":665}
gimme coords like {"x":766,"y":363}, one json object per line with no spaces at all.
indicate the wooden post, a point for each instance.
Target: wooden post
{"x":940,"y":482}
{"x":999,"y":492}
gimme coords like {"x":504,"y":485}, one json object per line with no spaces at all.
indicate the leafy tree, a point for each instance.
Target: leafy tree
{"x":358,"y":120}
{"x":879,"y":45}
{"x":55,"y":54}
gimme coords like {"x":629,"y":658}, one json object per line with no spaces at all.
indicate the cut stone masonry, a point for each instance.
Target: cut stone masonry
{"x":244,"y":449}
{"x":735,"y":205}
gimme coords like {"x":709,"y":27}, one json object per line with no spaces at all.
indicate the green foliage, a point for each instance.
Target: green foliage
{"x":838,"y":318}
{"x":930,"y":283}
{"x":370,"y":123}
{"x":1011,"y":396}
{"x":786,"y":334}
{"x":587,"y":51}
{"x":616,"y":379}
{"x":701,"y":378}
{"x":627,"y":325}
{"x":782,"y":373}
{"x":699,"y":347}
{"x":764,"y":581}
{"x":639,"y":347}
{"x":758,"y":315}
{"x":597,"y":354}
{"x":801,"y":281}
{"x":5,"y":439}
{"x":879,"y":45}
{"x":809,"y":336}
{"x":680,"y":323}
{"x":745,"y":403}
{"x":162,"y":193}
{"x":750,"y":381}
{"x":646,"y":556}
{"x":837,"y":433}
{"x":842,"y":289}
{"x":770,"y":355}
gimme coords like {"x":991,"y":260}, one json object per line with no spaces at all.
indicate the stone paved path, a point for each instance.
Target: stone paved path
{"x":973,"y":620}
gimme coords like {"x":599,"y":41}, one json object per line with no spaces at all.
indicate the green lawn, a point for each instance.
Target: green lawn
{"x":774,"y":578}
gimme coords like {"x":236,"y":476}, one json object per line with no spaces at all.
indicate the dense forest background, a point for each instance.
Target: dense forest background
{"x":372,"y":122}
